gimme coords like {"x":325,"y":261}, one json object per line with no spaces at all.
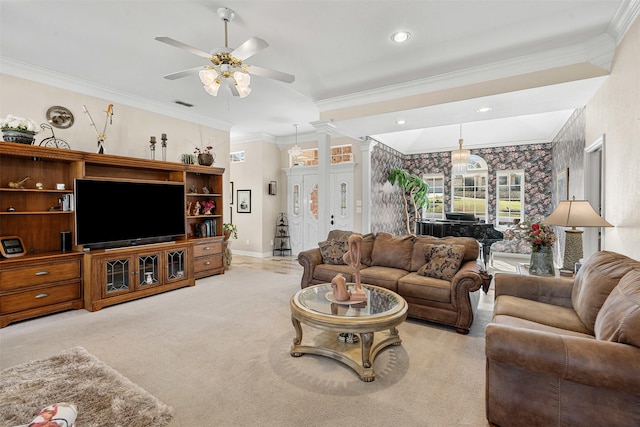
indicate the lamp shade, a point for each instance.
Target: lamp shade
{"x":575,"y":213}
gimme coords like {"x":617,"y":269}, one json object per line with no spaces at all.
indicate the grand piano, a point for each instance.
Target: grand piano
{"x":460,"y":224}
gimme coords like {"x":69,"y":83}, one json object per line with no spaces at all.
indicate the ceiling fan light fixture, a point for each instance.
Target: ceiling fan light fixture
{"x":244,"y":91}
{"x":242,"y":79}
{"x":208,"y":76}
{"x":212,"y":89}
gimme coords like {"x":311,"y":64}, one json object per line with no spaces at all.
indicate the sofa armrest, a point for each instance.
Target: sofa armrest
{"x":550,"y":290}
{"x":309,"y":259}
{"x":467,"y":279}
{"x":587,"y":361}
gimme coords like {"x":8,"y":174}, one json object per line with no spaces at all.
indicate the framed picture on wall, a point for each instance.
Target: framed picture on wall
{"x":244,"y":201}
{"x":562,"y":186}
{"x":231,"y":185}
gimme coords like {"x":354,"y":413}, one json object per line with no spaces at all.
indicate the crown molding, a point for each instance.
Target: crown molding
{"x":37,"y":74}
{"x":625,"y":16}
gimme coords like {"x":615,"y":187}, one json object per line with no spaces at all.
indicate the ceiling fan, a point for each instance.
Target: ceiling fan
{"x":227,"y":63}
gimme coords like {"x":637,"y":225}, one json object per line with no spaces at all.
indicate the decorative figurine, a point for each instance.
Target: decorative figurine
{"x":196,"y":209}
{"x":19,"y":184}
{"x":39,"y":185}
{"x":339,"y":285}
{"x":205,"y":190}
{"x":108,"y":120}
{"x":189,"y":208}
{"x":192,"y":189}
{"x":352,"y":258}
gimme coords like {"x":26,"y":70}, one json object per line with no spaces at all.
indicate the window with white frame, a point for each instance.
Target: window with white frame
{"x":469,"y":190}
{"x":509,"y":197}
{"x":435,"y":210}
{"x":309,"y":157}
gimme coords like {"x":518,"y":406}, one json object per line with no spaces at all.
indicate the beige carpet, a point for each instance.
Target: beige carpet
{"x":218,"y":353}
{"x":102,"y":395}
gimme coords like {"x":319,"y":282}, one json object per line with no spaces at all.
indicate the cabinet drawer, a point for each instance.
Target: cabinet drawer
{"x":41,"y":297}
{"x":207,"y":263}
{"x":207,"y":249}
{"x":39,"y":274}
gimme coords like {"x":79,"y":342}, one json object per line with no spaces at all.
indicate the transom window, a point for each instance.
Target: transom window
{"x":339,"y":154}
{"x":510,"y":197}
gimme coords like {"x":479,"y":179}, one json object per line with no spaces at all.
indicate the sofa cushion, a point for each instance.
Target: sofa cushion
{"x":472,"y":249}
{"x":425,"y":288}
{"x":619,"y":317}
{"x":333,"y":250}
{"x":326,"y":272}
{"x":385,"y":277}
{"x":539,"y":312}
{"x":517,"y":322}
{"x":366,"y":249}
{"x":595,"y":281}
{"x":390,"y":251}
{"x":442,"y":261}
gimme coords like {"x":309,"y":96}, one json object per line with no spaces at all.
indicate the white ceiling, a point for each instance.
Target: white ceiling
{"x":532,"y":61}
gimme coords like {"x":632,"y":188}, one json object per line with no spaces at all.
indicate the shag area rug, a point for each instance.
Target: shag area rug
{"x":104,"y":397}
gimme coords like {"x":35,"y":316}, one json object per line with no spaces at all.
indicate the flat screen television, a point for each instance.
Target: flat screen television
{"x":112,"y":213}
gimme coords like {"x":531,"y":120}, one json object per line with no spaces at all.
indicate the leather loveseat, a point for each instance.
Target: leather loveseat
{"x":399,"y":264}
{"x":566,"y":352}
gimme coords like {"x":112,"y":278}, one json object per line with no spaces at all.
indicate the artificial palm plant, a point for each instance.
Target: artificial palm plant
{"x":414,"y":190}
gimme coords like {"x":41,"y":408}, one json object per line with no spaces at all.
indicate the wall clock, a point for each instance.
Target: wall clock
{"x":60,"y":117}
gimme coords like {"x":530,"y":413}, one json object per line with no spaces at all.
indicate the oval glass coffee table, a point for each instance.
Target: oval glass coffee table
{"x":372,"y":323}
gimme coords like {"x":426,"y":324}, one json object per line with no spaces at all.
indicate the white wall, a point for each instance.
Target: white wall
{"x":129,"y":133}
{"x":615,"y":112}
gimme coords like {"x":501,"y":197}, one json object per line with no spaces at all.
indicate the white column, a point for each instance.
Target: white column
{"x":366,"y":148}
{"x":324,"y":131}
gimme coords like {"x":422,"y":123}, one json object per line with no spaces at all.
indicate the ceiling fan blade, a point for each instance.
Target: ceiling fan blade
{"x":272,"y":74}
{"x":249,"y":48}
{"x":185,"y":73}
{"x":183,"y":46}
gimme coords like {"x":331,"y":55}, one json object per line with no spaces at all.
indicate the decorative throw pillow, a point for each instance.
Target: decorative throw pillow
{"x":443,"y":261}
{"x":332,"y":251}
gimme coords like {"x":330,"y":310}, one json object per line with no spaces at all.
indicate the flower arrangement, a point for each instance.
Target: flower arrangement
{"x":205,"y":150}
{"x":536,"y":233}
{"x":208,"y":207}
{"x":20,"y":124}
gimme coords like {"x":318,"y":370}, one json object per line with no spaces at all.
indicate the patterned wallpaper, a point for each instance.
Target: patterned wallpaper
{"x":387,"y":209}
{"x":568,"y":152}
{"x":534,"y":159}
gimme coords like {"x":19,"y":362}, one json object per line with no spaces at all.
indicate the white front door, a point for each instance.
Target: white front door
{"x":302,"y":204}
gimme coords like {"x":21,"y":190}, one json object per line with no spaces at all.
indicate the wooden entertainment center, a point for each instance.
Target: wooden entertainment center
{"x":48,"y":279}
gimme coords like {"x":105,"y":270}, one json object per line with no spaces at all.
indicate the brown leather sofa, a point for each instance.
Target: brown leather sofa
{"x":566,"y":352}
{"x":394,"y":263}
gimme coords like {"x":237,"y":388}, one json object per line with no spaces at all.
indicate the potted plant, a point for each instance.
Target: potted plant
{"x":229,"y":230}
{"x":205,"y":156}
{"x":414,"y":189}
{"x":18,"y":129}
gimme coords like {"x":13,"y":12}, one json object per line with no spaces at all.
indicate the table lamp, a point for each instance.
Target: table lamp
{"x":574,"y":213}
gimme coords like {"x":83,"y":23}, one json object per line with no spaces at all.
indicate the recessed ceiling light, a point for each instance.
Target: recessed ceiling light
{"x":484,"y":109}
{"x":400,"y":122}
{"x":400,"y":36}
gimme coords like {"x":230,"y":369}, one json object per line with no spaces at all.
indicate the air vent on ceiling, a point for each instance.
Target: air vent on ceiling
{"x":186,"y":104}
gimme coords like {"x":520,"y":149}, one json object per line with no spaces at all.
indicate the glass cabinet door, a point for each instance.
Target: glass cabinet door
{"x":148,"y":270}
{"x":176,"y":261}
{"x":118,"y":274}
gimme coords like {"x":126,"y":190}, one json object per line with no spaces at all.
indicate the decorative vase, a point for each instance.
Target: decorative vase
{"x":205,"y":159}
{"x":541,"y":263}
{"x":19,"y":136}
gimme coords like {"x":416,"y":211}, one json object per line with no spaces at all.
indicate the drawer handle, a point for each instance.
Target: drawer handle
{"x":42,"y":295}
{"x":207,"y":248}
{"x":207,"y":262}
{"x":42,"y":273}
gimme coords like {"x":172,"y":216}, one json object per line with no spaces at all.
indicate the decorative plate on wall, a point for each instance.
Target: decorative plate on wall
{"x":60,"y":117}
